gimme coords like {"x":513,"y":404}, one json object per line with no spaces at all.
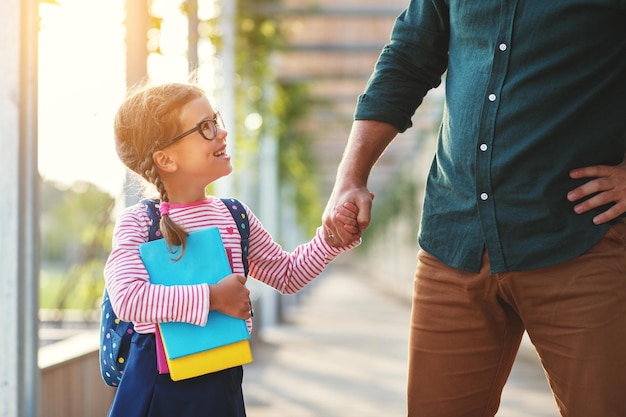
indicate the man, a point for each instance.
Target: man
{"x":512,"y":235}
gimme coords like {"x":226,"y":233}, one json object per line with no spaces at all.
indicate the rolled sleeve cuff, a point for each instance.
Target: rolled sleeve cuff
{"x":370,"y":108}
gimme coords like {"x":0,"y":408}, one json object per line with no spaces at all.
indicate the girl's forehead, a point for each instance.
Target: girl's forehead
{"x":197,"y":109}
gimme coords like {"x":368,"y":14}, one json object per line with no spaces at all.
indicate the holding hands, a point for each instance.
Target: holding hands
{"x":345,"y":222}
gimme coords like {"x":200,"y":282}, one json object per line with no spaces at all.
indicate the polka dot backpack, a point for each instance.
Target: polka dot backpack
{"x":115,"y":334}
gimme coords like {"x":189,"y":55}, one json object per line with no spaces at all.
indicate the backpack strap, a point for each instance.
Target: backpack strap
{"x":241,"y":220}
{"x":152,"y":206}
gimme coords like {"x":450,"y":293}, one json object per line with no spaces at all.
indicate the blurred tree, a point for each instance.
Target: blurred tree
{"x":76,"y":230}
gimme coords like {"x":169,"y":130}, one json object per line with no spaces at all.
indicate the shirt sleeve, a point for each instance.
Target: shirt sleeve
{"x":288,"y":272}
{"x":132,"y":295}
{"x":409,"y":66}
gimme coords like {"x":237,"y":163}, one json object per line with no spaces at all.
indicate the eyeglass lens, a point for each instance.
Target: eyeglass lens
{"x":208,"y":128}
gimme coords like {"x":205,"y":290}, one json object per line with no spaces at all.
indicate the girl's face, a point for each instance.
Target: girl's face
{"x":193,"y":161}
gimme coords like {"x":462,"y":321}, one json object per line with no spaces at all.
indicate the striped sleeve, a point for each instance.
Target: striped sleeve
{"x":288,"y":272}
{"x":132,"y":295}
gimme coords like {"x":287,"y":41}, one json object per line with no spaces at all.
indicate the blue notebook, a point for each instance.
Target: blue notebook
{"x":205,"y":260}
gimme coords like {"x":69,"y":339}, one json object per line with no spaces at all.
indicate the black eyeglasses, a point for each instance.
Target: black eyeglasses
{"x":206,"y":127}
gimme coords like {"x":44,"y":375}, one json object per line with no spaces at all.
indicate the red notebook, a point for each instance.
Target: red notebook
{"x":160,"y":352}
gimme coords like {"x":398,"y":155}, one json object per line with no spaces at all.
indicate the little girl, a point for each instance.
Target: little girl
{"x":172,"y":137}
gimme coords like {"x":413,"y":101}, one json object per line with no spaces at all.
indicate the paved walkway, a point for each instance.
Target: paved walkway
{"x":343,"y":354}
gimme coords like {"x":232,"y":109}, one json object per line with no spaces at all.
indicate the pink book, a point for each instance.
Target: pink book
{"x":160,"y":353}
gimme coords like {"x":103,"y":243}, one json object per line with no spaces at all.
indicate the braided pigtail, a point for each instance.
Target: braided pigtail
{"x":173,"y":233}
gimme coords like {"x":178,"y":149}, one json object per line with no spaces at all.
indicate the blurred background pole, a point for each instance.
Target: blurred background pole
{"x":19,"y":185}
{"x":137,"y":15}
{"x":226,"y":104}
{"x":269,"y":207}
{"x":192,"y":22}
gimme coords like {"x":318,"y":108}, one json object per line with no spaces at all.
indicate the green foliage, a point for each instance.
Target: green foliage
{"x":259,"y":35}
{"x":74,"y":222}
{"x":296,"y":162}
{"x":77,"y":288}
{"x":76,"y":231}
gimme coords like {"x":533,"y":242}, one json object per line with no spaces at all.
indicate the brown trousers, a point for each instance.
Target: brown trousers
{"x":466,"y":329}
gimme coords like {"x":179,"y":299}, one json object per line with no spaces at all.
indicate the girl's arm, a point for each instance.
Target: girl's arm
{"x":288,"y":272}
{"x":133,"y":297}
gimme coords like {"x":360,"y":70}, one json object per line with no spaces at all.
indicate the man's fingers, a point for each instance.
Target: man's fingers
{"x":591,"y":171}
{"x":364,"y":216}
{"x":589,"y":188}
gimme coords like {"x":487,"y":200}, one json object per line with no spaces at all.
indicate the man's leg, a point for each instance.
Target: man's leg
{"x":575,"y":314}
{"x":463,"y":341}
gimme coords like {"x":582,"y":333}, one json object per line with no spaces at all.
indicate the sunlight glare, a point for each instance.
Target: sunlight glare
{"x":81,"y":83}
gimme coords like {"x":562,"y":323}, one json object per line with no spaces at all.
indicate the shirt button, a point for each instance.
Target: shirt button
{"x":502,"y":47}
{"x":483,"y":147}
{"x":492,"y":97}
{"x":484,"y":196}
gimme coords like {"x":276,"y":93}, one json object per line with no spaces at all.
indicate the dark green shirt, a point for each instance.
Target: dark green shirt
{"x":533,"y":89}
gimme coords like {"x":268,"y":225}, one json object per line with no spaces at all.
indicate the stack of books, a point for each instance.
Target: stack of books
{"x":186,"y":350}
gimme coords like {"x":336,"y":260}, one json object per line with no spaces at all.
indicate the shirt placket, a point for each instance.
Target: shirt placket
{"x":487,"y":201}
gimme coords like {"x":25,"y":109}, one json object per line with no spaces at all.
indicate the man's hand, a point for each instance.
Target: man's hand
{"x":608,"y":185}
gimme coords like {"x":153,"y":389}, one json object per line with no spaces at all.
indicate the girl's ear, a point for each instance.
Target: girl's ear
{"x":163,"y":161}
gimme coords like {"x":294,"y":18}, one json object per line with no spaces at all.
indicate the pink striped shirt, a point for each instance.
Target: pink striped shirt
{"x":135,"y":299}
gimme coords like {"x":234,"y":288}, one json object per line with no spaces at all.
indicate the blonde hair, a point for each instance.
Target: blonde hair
{"x":145,"y":122}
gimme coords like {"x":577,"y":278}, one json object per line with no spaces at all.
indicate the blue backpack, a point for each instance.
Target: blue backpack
{"x":115,"y":334}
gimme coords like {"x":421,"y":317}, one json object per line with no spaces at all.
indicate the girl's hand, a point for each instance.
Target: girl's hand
{"x":347,"y":214}
{"x":231,"y":297}
{"x":608,"y":185}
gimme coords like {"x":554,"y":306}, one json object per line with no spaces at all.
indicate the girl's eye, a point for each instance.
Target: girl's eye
{"x":208,"y":130}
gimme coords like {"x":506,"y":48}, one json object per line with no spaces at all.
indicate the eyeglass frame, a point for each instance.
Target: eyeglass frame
{"x":216,"y":122}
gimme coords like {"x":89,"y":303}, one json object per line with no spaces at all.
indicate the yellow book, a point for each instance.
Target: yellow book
{"x":212,"y":360}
